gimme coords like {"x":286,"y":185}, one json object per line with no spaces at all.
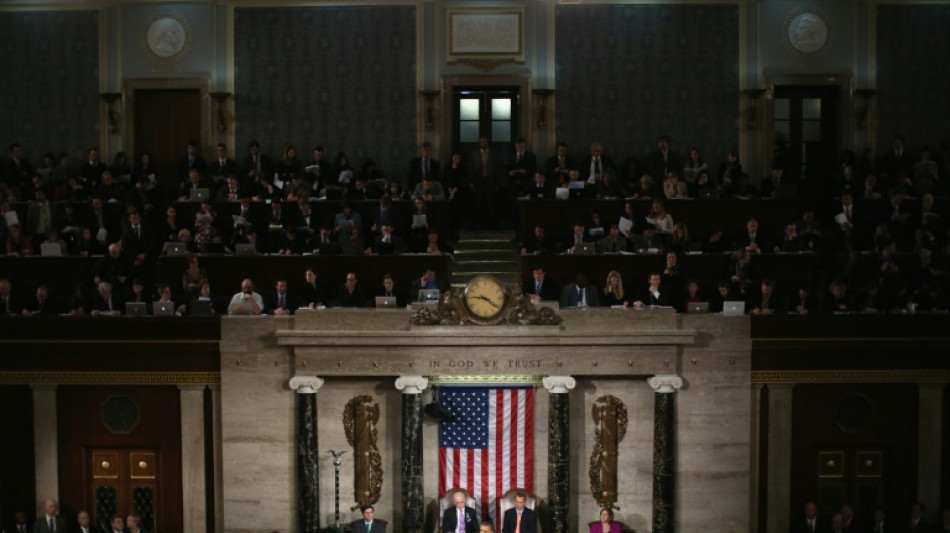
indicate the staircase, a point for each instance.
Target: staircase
{"x":487,"y":253}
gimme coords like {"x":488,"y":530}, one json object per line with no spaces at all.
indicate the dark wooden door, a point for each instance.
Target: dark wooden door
{"x":806,"y":136}
{"x":124,"y":482}
{"x":165,"y":121}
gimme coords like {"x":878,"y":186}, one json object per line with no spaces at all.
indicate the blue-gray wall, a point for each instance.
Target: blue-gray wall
{"x":913,"y":78}
{"x":626,"y":73}
{"x":341,"y":77}
{"x":49,"y":97}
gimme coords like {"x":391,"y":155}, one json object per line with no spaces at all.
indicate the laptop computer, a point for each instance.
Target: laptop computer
{"x":708,"y":194}
{"x":429,"y":295}
{"x":163,"y":309}
{"x":385,"y":302}
{"x":697,"y":307}
{"x":244,"y":248}
{"x":51,"y":249}
{"x":200,"y":308}
{"x":199,"y":194}
{"x":175,"y":249}
{"x":733,"y":308}
{"x":584,"y":248}
{"x":135,"y":308}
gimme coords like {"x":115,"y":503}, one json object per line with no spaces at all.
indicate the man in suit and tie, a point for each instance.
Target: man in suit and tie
{"x":84,"y":525}
{"x":521,"y":167}
{"x":539,"y":288}
{"x":663,"y":160}
{"x":281,"y":302}
{"x":459,"y":518}
{"x":520,"y":519}
{"x":423,"y":167}
{"x":19,"y":523}
{"x":810,"y":523}
{"x":368,"y":524}
{"x":50,"y":521}
{"x":540,"y":188}
{"x":580,"y":294}
{"x":223,"y":166}
{"x":191,"y":161}
{"x":653,"y":295}
{"x":483,"y":173}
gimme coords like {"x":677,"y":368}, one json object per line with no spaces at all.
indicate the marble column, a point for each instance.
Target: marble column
{"x":194,"y":508}
{"x":308,"y":473}
{"x":929,"y":446}
{"x":664,"y":450}
{"x":559,"y":448}
{"x":45,"y":448}
{"x":413,"y":512}
{"x":779,"y":456}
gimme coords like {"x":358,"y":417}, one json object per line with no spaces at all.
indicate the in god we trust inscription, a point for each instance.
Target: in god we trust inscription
{"x":167,"y":37}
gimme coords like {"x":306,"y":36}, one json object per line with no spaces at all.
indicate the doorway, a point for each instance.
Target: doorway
{"x":806,"y":139}
{"x":492,"y":112}
{"x":125,"y":482}
{"x":165,"y":121}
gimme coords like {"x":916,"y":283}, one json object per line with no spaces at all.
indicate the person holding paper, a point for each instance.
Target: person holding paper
{"x":428,"y":189}
{"x":614,"y":242}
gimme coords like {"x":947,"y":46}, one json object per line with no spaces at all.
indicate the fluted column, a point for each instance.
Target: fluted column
{"x":308,"y":472}
{"x":559,"y":448}
{"x":413,"y":511}
{"x":664,"y":449}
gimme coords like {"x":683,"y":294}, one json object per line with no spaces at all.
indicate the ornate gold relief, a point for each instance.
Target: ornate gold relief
{"x":453,"y":308}
{"x":831,"y":464}
{"x":610,"y":426}
{"x":359,"y":423}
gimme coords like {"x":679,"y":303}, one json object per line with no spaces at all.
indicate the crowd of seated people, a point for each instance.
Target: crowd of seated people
{"x":848,"y":519}
{"x":880,"y":206}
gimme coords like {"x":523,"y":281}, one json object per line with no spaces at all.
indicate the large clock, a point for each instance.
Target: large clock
{"x":485,"y":298}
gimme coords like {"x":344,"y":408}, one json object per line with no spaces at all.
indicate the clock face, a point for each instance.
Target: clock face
{"x":485,"y":297}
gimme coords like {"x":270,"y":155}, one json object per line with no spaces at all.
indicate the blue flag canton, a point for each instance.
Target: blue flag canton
{"x":470,"y":427}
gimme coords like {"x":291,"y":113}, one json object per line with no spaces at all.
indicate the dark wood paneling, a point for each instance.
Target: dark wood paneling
{"x":17,"y":472}
{"x":165,"y":120}
{"x":893,"y":428}
{"x":81,"y":429}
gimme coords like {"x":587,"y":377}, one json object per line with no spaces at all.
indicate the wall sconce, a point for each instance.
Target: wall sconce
{"x":219,"y":100}
{"x":752,"y":117}
{"x":430,"y":97}
{"x":863,"y":99}
{"x":112,"y":112}
{"x":542,"y":95}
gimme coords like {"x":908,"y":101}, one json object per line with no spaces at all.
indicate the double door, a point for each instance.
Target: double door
{"x":124,"y":482}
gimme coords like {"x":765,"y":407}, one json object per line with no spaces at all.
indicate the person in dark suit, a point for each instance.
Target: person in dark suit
{"x":765,"y":302}
{"x":41,"y":304}
{"x":558,"y":166}
{"x":522,"y":166}
{"x":50,"y":521}
{"x":540,"y":188}
{"x":917,"y":523}
{"x":116,"y":525}
{"x":897,"y":162}
{"x":105,"y":302}
{"x":350,"y":294}
{"x":390,"y":290}
{"x":810,"y":522}
{"x":423,"y":167}
{"x":92,"y":169}
{"x":596,"y":165}
{"x":191,"y":161}
{"x":483,"y":171}
{"x":256,"y":164}
{"x":222,"y":166}
{"x":133,"y":524}
{"x":539,"y":287}
{"x":19,"y":523}
{"x":580,"y":294}
{"x":520,"y":519}
{"x":663,"y":160}
{"x":231,"y":191}
{"x":84,"y":525}
{"x":426,"y":281}
{"x":769,"y":186}
{"x":539,"y":243}
{"x":368,"y":524}
{"x":653,"y":295}
{"x":194,"y":179}
{"x":281,"y":302}
{"x":459,"y":517}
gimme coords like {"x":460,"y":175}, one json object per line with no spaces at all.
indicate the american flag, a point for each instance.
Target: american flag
{"x":489,"y":447}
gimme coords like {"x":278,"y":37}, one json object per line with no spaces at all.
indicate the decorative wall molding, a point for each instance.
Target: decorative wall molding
{"x":110,"y":378}
{"x":850,"y":376}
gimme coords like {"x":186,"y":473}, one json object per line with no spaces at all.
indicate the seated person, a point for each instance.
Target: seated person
{"x":204,"y":295}
{"x":765,"y":302}
{"x":539,"y":243}
{"x":104,"y":302}
{"x":355,"y":244}
{"x":313,"y":293}
{"x":194,"y":181}
{"x":539,"y":287}
{"x":613,"y":291}
{"x":653,"y":296}
{"x":614,"y":242}
{"x":435,"y":245}
{"x":723,"y":294}
{"x":246,"y":302}
{"x":291,"y":243}
{"x":540,"y":188}
{"x":427,"y":281}
{"x":578,"y":237}
{"x":606,"y":523}
{"x":387,"y":242}
{"x":41,"y":304}
{"x":580,"y":294}
{"x":345,"y":221}
{"x":751,"y":240}
{"x":350,"y":294}
{"x":804,"y":302}
{"x":428,"y":190}
{"x":281,"y":302}
{"x":837,"y":300}
{"x":325,"y":243}
{"x":648,"y":241}
{"x":368,"y":524}
{"x":390,"y":290}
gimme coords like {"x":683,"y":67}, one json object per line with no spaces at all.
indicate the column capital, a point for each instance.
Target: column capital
{"x":411,"y":384}
{"x":665,"y":383}
{"x":559,"y":384}
{"x":305,"y":384}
